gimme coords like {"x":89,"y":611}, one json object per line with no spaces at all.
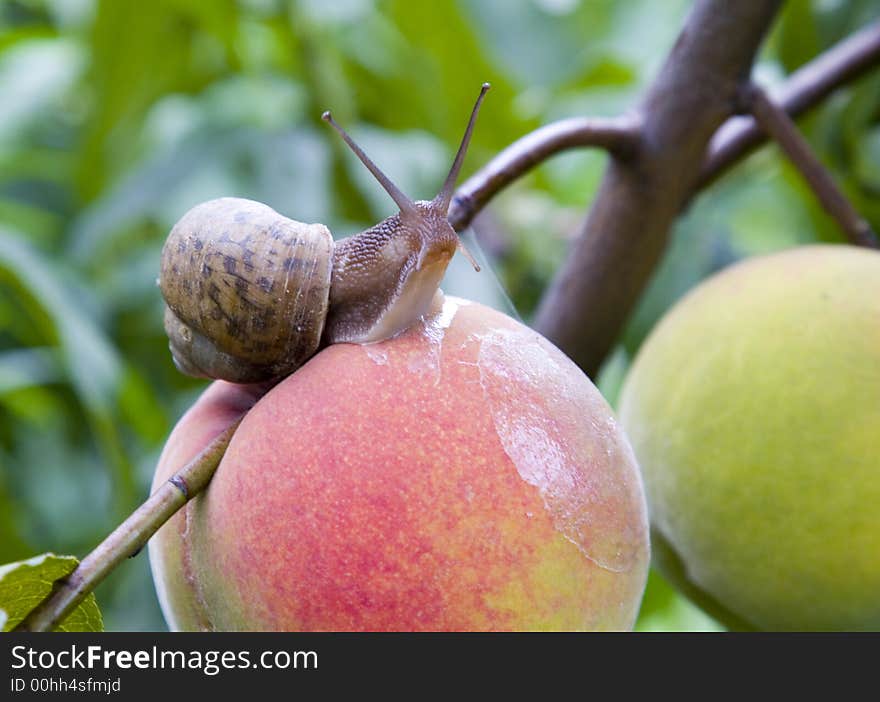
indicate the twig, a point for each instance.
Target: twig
{"x":619,"y":136}
{"x":129,"y":537}
{"x":779,"y":126}
{"x":809,"y":85}
{"x":624,"y":237}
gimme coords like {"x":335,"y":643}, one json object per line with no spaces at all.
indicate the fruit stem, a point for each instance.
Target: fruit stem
{"x":129,"y":537}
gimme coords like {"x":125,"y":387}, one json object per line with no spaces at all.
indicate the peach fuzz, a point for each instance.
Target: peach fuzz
{"x":464,"y":475}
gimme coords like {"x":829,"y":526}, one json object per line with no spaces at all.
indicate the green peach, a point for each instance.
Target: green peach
{"x":464,"y":475}
{"x":754,"y":411}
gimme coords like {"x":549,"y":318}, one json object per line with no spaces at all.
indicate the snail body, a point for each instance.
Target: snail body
{"x":251,"y":295}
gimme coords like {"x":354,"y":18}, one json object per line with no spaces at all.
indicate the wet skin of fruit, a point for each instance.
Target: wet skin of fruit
{"x":464,"y":475}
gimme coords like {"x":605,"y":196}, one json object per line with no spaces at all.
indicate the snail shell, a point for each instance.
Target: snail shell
{"x":247,"y":301}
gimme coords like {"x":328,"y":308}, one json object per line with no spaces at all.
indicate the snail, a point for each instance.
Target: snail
{"x":251,"y":295}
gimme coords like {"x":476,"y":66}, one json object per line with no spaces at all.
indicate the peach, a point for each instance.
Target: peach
{"x":464,"y":475}
{"x":754,"y":410}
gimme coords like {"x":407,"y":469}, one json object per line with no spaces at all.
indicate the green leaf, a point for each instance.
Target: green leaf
{"x":24,"y":584}
{"x":797,"y":36}
{"x":12,"y":545}
{"x":87,"y":356}
{"x":32,"y":75}
{"x":26,"y":367}
{"x":166,"y":50}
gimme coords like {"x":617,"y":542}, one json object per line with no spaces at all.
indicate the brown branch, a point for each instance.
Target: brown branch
{"x":610,"y":296}
{"x":734,"y":140}
{"x":774,"y":120}
{"x":806,"y":87}
{"x":619,"y":136}
{"x":626,"y":231}
{"x":129,"y":537}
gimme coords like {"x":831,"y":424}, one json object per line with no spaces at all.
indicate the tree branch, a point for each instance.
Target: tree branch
{"x":806,"y":87}
{"x":779,"y":126}
{"x":129,"y":537}
{"x":618,"y":135}
{"x":734,"y":140}
{"x":626,"y":231}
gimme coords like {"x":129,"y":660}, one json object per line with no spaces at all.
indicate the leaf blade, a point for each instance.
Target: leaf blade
{"x":25,"y":584}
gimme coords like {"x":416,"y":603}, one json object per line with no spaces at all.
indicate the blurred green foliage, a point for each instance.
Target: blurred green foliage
{"x":117,"y":116}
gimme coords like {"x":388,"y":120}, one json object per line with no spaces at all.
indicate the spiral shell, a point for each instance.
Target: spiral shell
{"x":246,"y":290}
